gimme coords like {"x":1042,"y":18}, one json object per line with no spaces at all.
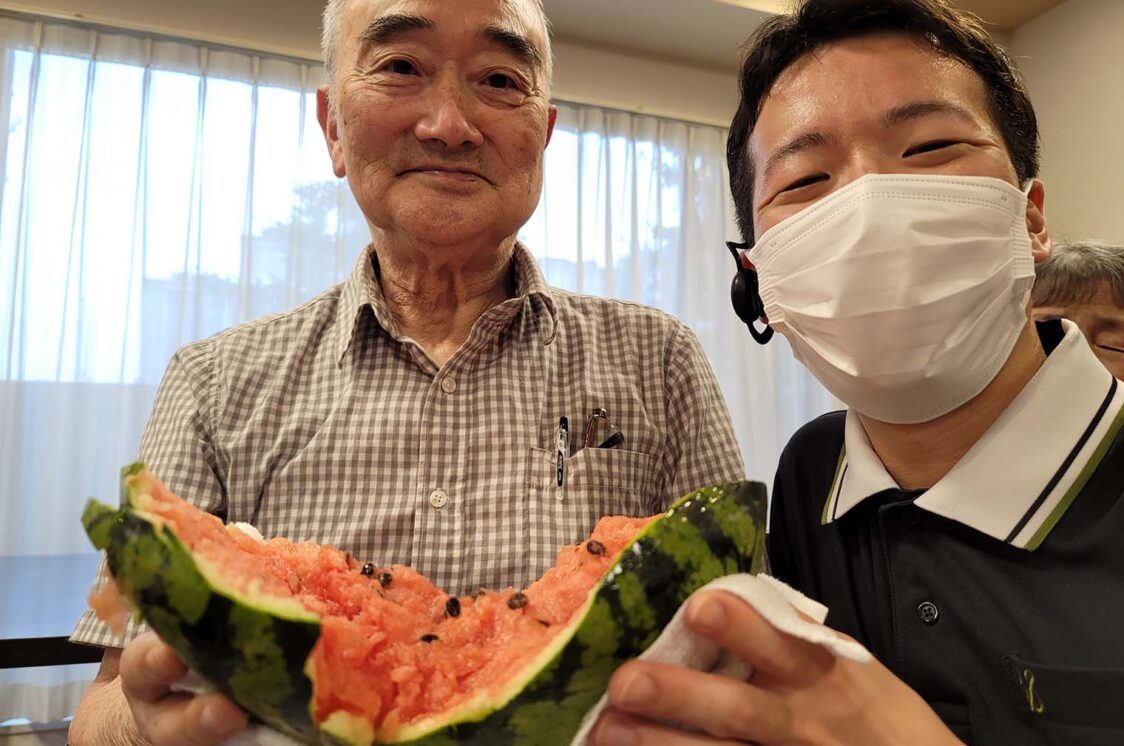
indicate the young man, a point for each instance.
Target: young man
{"x":962,"y":519}
{"x":1084,"y":282}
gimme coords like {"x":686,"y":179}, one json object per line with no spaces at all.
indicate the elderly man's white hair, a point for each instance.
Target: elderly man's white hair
{"x":333,"y":21}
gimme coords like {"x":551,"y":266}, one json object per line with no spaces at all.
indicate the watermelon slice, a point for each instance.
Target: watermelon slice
{"x":329,"y":649}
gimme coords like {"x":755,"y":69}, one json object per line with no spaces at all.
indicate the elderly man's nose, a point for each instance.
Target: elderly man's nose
{"x":447,"y":118}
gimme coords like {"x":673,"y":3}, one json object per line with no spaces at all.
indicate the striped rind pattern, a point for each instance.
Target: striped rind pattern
{"x":258,"y":659}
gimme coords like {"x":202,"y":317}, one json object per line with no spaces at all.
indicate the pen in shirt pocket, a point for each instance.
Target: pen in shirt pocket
{"x":561,"y":450}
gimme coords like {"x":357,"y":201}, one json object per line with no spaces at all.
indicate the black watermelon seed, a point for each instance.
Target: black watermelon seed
{"x":453,"y":606}
{"x":595,"y":547}
{"x":544,"y":623}
{"x":517,"y":600}
{"x":428,"y":638}
{"x":369,"y":569}
{"x":385,"y":578}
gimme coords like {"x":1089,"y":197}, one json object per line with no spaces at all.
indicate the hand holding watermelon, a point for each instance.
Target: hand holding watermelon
{"x":148,"y":669}
{"x":800,"y":693}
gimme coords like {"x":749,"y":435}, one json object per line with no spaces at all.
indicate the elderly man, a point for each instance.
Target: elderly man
{"x":410,"y":415}
{"x":1084,"y":282}
{"x":962,"y":519}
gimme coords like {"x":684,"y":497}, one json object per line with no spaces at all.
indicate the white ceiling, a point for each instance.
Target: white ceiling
{"x":704,"y":32}
{"x":710,"y":32}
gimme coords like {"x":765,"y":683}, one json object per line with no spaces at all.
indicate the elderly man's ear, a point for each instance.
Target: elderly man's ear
{"x":1036,"y":222}
{"x":330,"y":126}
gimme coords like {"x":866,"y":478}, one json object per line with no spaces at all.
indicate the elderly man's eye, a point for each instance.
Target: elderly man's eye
{"x":401,"y":67}
{"x":501,"y":81}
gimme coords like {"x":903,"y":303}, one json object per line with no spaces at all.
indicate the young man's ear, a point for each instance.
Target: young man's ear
{"x":1036,"y":221}
{"x":327,"y":116}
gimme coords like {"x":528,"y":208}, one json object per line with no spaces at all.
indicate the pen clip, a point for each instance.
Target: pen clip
{"x":561,"y":450}
{"x":598,"y":421}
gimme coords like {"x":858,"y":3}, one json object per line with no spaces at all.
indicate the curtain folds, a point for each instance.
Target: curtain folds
{"x":155,"y":191}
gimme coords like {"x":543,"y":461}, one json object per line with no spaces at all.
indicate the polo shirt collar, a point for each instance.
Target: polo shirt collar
{"x":362,"y":290}
{"x":1015,"y":483}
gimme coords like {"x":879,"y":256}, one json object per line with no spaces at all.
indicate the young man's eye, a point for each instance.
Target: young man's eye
{"x":806,"y":181}
{"x":929,"y":147}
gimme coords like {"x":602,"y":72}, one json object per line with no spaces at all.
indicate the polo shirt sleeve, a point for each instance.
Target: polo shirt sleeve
{"x":179,"y":448}
{"x":804,"y":475}
{"x":700,"y":447}
{"x":778,"y":540}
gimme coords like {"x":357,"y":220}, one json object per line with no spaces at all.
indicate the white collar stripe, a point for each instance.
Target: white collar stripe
{"x":1017,"y":480}
{"x":1046,"y":515}
{"x":1079,"y":446}
{"x":831,"y":504}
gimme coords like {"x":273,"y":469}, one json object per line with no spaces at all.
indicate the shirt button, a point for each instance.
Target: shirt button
{"x":928,"y":612}
{"x":448,"y":384}
{"x":438,"y":498}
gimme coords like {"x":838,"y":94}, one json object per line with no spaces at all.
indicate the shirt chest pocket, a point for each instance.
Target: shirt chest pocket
{"x":598,"y":482}
{"x":1069,"y":704}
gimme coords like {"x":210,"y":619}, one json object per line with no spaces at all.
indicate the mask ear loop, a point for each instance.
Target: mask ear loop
{"x":745,"y":296}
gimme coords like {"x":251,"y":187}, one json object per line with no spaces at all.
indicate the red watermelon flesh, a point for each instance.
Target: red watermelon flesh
{"x":393,"y":648}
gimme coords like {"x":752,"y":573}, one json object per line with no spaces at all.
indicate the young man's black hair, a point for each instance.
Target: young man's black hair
{"x":784,"y":39}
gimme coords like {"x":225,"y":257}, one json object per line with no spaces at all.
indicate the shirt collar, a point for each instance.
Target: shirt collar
{"x":362,"y":290}
{"x":1018,"y":479}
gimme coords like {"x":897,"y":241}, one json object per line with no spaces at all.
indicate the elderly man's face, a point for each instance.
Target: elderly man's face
{"x":441,"y":117}
{"x":881,"y":103}
{"x":1101,"y":320}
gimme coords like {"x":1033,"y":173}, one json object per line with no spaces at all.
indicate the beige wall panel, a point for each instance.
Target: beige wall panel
{"x":593,"y":75}
{"x":1073,"y":61}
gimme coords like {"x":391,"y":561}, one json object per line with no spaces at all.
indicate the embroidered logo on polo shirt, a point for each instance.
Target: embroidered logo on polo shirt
{"x":1033,"y":699}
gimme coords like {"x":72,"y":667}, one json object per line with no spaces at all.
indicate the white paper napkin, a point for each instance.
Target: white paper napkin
{"x":773,"y":600}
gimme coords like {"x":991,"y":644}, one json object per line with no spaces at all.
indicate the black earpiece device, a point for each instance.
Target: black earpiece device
{"x":744,"y":295}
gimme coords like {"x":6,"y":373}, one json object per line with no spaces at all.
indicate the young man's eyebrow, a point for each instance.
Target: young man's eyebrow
{"x":796,"y":145}
{"x":919,"y":109}
{"x":388,"y":27}
{"x":516,"y":44}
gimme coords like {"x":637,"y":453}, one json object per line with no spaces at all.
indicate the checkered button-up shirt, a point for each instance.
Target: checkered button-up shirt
{"x":326,"y":423}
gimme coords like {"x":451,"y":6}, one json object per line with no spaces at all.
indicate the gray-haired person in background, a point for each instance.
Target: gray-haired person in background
{"x":1084,"y":282}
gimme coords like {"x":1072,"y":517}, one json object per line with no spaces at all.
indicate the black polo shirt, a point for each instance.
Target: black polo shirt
{"x":998,"y":593}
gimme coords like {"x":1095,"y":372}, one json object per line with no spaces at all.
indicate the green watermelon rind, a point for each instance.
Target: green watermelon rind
{"x":251,"y":659}
{"x":260,"y":660}
{"x":710,"y":533}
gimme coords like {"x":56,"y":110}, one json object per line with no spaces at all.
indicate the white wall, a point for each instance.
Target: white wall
{"x":592,"y":75}
{"x":583,"y":74}
{"x":1073,"y":61}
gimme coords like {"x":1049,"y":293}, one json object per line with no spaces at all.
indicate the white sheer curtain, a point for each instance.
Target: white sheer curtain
{"x":156,"y":191}
{"x":638,"y":207}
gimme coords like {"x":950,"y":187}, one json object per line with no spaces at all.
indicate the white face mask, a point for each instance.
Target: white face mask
{"x":904,"y":295}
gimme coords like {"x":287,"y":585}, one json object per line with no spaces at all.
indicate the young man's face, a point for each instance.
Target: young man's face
{"x":882,"y":103}
{"x":1101,"y":319}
